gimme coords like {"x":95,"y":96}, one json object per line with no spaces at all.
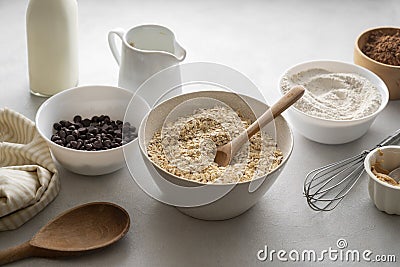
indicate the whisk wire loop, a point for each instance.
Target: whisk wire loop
{"x":325,"y":187}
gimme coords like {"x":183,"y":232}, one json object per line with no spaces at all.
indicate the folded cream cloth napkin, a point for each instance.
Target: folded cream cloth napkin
{"x":28,"y":177}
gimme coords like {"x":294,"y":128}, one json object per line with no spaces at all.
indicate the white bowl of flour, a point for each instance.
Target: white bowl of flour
{"x":340,"y":103}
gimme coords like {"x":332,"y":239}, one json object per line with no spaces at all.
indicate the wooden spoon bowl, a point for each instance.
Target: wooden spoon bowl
{"x":84,"y":228}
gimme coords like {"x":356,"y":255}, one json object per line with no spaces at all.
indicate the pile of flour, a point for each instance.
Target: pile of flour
{"x":336,"y":96}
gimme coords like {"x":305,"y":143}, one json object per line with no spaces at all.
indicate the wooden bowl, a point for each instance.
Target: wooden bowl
{"x":390,"y":74}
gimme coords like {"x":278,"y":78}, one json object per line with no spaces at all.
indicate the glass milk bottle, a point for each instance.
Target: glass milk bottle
{"x":52,"y":39}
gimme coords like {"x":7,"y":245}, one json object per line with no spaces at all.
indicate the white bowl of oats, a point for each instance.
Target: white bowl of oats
{"x":178,"y":139}
{"x":340,"y":103}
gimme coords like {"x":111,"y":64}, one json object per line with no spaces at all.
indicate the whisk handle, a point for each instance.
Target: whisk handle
{"x":394,"y":138}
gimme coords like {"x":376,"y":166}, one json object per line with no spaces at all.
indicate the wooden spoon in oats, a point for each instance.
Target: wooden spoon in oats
{"x":226,"y":152}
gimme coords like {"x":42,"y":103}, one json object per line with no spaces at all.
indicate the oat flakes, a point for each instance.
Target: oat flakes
{"x":187,"y":147}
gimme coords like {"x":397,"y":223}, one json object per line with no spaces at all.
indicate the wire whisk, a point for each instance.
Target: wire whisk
{"x":325,"y":187}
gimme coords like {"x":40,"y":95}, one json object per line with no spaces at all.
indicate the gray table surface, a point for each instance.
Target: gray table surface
{"x":260,"y":39}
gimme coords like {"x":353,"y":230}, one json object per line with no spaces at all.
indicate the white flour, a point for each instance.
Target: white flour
{"x":337,"y":96}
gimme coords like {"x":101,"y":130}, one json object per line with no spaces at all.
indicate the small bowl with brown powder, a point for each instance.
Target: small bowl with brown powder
{"x":340,"y":103}
{"x":383,"y":189}
{"x":178,"y":141}
{"x":378,"y":49}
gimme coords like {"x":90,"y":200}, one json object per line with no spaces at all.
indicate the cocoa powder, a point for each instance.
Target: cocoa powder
{"x":383,"y":47}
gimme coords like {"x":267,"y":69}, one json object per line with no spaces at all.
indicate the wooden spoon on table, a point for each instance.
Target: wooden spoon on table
{"x":226,"y":152}
{"x":80,"y":229}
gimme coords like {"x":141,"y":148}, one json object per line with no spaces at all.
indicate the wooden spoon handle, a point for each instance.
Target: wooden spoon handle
{"x":19,"y":252}
{"x":275,"y":110}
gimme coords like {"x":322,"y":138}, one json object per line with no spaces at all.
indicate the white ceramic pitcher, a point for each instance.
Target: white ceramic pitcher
{"x":146,"y":50}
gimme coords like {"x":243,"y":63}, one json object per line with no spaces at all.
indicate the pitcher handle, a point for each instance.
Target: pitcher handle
{"x":111,"y":42}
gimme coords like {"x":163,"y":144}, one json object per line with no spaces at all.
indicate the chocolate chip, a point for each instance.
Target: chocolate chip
{"x":74,"y":144}
{"x":55,"y":138}
{"x":93,"y":130}
{"x":86,"y":122}
{"x":62,"y":134}
{"x":77,"y":118}
{"x":59,"y":142}
{"x":107,"y":143}
{"x":82,"y":130}
{"x":79,"y":144}
{"x":57,"y":126}
{"x":95,"y":119}
{"x":70,"y":138}
{"x":75,"y":133}
{"x":97,"y":144}
{"x":96,"y":133}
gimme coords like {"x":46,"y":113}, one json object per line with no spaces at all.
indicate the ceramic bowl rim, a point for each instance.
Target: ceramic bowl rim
{"x":142,"y":145}
{"x":67,"y":91}
{"x":369,"y":31}
{"x":367,"y":165}
{"x":382,"y":89}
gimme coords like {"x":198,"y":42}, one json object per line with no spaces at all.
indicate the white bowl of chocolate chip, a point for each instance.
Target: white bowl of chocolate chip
{"x":84,"y":129}
{"x":340,"y":103}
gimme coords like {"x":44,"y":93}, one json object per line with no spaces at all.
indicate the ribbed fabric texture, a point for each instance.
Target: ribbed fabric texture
{"x":28,"y":177}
